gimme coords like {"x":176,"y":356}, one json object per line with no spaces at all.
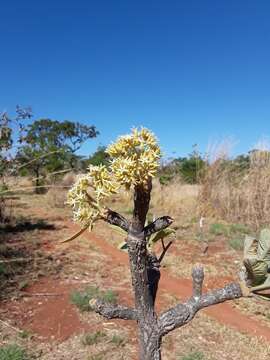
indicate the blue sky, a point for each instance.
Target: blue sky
{"x":192,"y":71}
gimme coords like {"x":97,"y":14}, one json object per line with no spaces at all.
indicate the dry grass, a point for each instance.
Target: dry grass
{"x":176,"y":199}
{"x":238,"y":196}
{"x":56,"y":197}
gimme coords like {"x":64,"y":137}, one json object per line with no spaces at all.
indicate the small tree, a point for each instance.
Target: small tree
{"x":48,"y":145}
{"x":134,"y":162}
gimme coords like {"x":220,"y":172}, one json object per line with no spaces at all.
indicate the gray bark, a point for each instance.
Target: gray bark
{"x":145,"y":274}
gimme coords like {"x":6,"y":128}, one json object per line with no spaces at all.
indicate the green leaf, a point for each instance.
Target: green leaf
{"x":162,"y":234}
{"x":118,"y":230}
{"x":123,"y":246}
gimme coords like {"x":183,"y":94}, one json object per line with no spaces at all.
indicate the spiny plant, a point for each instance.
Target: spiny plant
{"x":134,"y":162}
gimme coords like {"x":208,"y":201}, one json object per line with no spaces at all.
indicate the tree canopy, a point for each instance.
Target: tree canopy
{"x":50,"y":145}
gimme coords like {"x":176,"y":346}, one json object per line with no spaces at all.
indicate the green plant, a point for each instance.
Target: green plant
{"x":13,"y":352}
{"x":24,"y":334}
{"x":93,"y":338}
{"x":197,"y":355}
{"x":118,"y":340}
{"x":239,"y":228}
{"x":236,"y":243}
{"x":219,"y":229}
{"x":81,"y":298}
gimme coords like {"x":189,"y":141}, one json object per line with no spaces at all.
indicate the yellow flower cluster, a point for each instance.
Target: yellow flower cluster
{"x":86,"y":196}
{"x":135,"y":157}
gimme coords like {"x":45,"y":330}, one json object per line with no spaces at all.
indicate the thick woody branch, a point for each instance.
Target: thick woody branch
{"x":157,"y":225}
{"x":113,"y":218}
{"x":197,"y":281}
{"x":181,"y":314}
{"x":113,"y":311}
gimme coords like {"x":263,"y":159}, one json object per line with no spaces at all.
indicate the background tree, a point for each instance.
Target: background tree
{"x":189,"y":168}
{"x":50,"y":145}
{"x":100,"y":157}
{"x":135,"y":161}
{"x":10,"y":136}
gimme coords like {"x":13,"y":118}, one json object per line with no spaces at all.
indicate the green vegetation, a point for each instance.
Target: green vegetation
{"x":236,"y":243}
{"x":24,"y":334}
{"x":218,"y":229}
{"x":228,"y":230}
{"x":100,"y":157}
{"x":197,"y":355}
{"x":188,"y":168}
{"x":13,"y":352}
{"x":93,"y":338}
{"x":59,"y":140}
{"x":81,"y":298}
{"x":118,"y":340}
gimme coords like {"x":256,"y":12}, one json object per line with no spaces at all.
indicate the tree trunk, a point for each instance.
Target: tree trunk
{"x":37,"y":181}
{"x":144,"y":278}
{"x":150,"y":342}
{"x":145,"y":275}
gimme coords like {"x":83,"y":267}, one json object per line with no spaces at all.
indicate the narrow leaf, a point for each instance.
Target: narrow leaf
{"x":162,"y":234}
{"x":75,"y":235}
{"x":123,"y":246}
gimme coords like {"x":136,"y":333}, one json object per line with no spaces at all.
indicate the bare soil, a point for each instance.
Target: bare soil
{"x":43,"y":308}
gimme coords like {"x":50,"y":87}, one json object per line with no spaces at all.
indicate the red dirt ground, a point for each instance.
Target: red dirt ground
{"x":55,"y":318}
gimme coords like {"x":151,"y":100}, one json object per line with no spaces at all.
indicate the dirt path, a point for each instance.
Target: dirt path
{"x":182,"y":288}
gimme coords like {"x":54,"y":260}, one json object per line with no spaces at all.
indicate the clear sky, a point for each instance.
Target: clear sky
{"x":192,"y":71}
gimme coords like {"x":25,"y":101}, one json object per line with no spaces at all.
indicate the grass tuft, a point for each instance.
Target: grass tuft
{"x":81,"y":298}
{"x":118,"y":340}
{"x":219,"y":229}
{"x":236,"y":243}
{"x":197,"y":355}
{"x":13,"y":352}
{"x":93,"y":338}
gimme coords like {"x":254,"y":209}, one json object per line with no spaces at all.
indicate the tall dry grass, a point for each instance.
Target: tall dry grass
{"x":235,"y":194}
{"x":177,"y":199}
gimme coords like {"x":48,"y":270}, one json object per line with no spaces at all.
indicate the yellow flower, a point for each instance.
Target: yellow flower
{"x":86,"y":196}
{"x":135,"y":157}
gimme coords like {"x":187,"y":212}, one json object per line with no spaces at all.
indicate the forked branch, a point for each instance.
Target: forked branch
{"x":181,"y":314}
